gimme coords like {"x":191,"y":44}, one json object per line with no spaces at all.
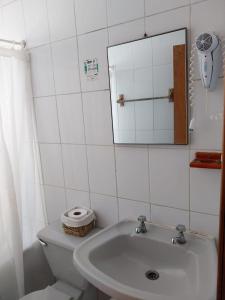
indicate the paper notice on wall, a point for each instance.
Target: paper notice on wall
{"x":91,"y":68}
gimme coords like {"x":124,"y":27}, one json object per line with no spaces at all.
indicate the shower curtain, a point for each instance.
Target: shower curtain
{"x":22,"y":210}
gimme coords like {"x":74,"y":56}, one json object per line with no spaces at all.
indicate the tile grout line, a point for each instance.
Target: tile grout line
{"x":135,"y":201}
{"x":56,"y":103}
{"x":115,"y":25}
{"x":82,"y":104}
{"x":114,"y":146}
{"x":136,"y":145}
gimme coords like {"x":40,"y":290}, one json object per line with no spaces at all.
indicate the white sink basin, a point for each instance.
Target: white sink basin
{"x":116,"y":260}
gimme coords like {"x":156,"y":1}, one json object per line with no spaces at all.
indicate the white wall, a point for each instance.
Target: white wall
{"x":80,"y":163}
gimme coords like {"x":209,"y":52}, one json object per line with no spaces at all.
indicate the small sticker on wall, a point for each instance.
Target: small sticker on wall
{"x":91,"y":68}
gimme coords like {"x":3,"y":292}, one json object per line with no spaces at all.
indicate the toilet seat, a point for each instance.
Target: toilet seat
{"x":33,"y":296}
{"x":59,"y":291}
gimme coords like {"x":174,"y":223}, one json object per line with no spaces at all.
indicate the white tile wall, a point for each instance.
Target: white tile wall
{"x":169,"y":177}
{"x":206,"y":224}
{"x":75,"y":167}
{"x":42,"y":71}
{"x":97,"y":118}
{"x":93,"y":45}
{"x":123,"y":11}
{"x":55,"y":202}
{"x":208,"y":131}
{"x":51,"y":158}
{"x":65,"y":65}
{"x":157,"y":6}
{"x":209,"y":10}
{"x":13,"y":12}
{"x":167,"y":21}
{"x":205,"y":190}
{"x":101,"y":165}
{"x":169,"y":216}
{"x":132,"y":173}
{"x":90,"y":15}
{"x":77,"y":198}
{"x":61,"y":19}
{"x":1,"y":23}
{"x":5,"y":2}
{"x":106,"y":208}
{"x":71,"y":122}
{"x":126,"y":32}
{"x":36,"y":22}
{"x":129,"y":209}
{"x":51,"y":28}
{"x":47,"y":121}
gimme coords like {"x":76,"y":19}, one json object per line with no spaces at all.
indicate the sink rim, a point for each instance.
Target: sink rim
{"x":113,"y":287}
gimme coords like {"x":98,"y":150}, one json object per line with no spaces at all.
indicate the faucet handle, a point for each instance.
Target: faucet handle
{"x":142,"y":219}
{"x":181,"y":228}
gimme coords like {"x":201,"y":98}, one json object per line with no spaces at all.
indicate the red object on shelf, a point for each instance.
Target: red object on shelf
{"x":207,"y":160}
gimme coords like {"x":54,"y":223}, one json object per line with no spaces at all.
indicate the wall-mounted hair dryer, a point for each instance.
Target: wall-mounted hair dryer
{"x":210,"y":59}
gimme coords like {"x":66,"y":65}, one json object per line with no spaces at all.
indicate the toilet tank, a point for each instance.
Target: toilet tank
{"x":58,"y":248}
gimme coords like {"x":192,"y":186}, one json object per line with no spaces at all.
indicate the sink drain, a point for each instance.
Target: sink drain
{"x":152,"y":275}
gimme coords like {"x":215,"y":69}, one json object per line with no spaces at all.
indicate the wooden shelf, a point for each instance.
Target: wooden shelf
{"x":207,"y":160}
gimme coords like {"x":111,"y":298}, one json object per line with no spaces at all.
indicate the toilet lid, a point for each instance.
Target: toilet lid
{"x":47,"y":294}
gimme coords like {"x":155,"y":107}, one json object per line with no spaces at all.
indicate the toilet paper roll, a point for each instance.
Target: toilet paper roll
{"x":77,"y":213}
{"x":78,"y":216}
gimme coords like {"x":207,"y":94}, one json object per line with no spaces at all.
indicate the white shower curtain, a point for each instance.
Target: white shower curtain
{"x":22,"y":211}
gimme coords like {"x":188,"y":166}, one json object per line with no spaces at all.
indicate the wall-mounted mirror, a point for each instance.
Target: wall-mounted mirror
{"x":148,"y":84}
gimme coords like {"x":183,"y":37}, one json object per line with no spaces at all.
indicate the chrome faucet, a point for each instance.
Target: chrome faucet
{"x":179,"y":238}
{"x":141,"y":226}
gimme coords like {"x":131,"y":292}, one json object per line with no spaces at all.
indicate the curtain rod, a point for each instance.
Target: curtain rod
{"x":22,"y":43}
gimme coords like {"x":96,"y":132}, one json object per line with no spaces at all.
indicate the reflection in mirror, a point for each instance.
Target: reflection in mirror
{"x":148,"y":90}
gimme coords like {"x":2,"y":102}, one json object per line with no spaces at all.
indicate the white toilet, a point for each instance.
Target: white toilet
{"x":58,"y":248}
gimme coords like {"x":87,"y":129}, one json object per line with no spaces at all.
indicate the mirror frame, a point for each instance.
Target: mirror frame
{"x":186,"y":92}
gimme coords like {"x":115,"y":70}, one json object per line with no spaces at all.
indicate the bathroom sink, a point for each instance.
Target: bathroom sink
{"x":128,"y":266}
